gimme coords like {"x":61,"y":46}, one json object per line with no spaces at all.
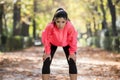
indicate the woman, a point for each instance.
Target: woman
{"x":59,"y":32}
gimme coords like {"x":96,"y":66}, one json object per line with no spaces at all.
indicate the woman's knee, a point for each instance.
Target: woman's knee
{"x":46,"y":66}
{"x":72,"y":66}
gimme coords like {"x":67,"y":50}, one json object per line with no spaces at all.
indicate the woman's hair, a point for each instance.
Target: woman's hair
{"x":60,"y":12}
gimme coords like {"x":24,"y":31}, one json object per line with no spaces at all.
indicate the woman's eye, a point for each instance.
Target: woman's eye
{"x":58,"y":21}
{"x":63,"y":21}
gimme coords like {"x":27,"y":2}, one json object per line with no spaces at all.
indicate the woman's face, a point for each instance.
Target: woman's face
{"x":60,"y":22}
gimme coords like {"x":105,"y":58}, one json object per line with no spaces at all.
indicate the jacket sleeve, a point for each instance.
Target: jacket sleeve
{"x":72,"y":40}
{"x":45,"y":40}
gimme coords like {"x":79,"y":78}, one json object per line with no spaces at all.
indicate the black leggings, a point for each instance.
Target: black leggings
{"x":47,"y":62}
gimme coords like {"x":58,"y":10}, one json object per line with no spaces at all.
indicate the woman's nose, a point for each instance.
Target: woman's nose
{"x":60,"y":25}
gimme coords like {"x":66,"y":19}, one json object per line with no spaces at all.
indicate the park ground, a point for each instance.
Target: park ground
{"x":92,"y":64}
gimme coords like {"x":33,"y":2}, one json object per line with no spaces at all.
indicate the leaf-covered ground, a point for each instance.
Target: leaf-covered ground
{"x":92,"y":64}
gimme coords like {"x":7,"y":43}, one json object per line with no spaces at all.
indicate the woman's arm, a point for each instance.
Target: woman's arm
{"x":45,"y":40}
{"x":72,"y":40}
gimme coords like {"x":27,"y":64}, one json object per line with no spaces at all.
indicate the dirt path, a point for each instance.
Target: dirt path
{"x":92,"y":64}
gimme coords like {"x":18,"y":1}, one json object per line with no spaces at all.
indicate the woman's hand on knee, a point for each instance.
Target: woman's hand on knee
{"x":72,"y":56}
{"x":45,"y":56}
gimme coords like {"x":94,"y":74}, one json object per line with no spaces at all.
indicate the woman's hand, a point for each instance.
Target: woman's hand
{"x":45,"y":56}
{"x":73,"y":56}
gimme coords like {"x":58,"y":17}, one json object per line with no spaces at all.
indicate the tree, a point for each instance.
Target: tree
{"x":34,"y":21}
{"x":16,"y":18}
{"x":114,"y":30}
{"x":104,"y":23}
{"x":1,"y":17}
{"x":113,"y":17}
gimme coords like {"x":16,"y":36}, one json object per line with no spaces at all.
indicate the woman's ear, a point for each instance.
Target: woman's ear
{"x":54,"y":20}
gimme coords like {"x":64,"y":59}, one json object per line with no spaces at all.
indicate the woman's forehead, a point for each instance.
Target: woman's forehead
{"x":61,"y":19}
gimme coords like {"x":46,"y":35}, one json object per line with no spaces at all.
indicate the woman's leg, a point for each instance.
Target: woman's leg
{"x":72,"y":64}
{"x":46,"y":64}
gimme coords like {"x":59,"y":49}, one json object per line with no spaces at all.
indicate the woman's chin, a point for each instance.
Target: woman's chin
{"x":60,"y":28}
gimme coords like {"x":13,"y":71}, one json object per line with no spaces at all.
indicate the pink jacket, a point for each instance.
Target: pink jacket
{"x":59,"y":37}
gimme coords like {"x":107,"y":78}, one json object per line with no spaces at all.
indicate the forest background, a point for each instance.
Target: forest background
{"x":22,"y":21}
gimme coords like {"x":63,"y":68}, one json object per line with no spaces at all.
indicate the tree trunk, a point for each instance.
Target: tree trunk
{"x":115,"y":33}
{"x":89,"y":31}
{"x":34,"y":21}
{"x":113,"y":16}
{"x":1,"y":18}
{"x":16,"y":18}
{"x":104,"y":23}
{"x":25,"y":28}
{"x":94,"y":24}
